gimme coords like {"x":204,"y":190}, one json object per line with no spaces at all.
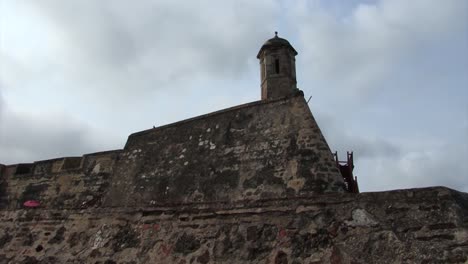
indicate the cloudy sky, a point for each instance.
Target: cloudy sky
{"x":388,"y":78}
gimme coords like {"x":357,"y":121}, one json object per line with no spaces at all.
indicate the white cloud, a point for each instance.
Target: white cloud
{"x":126,"y":49}
{"x":428,"y":166}
{"x":357,"y":52}
{"x":26,"y":137}
{"x":397,"y":163}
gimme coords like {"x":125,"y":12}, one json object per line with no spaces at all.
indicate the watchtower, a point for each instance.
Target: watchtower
{"x":277,"y":67}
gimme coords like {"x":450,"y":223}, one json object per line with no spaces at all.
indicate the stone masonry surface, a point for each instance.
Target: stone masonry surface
{"x":256,"y":183}
{"x":264,"y":149}
{"x":409,"y":226}
{"x":255,"y":151}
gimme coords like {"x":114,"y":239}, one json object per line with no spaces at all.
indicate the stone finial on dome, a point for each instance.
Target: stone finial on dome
{"x":276,"y":42}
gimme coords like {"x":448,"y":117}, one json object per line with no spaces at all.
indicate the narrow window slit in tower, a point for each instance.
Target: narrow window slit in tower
{"x":277,"y":65}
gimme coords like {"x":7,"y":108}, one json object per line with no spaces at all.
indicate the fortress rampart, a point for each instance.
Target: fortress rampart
{"x":255,"y":183}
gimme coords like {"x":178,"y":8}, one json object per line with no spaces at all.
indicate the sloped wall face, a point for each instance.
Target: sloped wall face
{"x":410,"y":226}
{"x":258,"y":151}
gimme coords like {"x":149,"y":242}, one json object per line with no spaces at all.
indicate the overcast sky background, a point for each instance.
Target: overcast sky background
{"x":389,"y":78}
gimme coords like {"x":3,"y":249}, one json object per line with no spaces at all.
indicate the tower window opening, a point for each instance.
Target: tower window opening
{"x":277,"y":66}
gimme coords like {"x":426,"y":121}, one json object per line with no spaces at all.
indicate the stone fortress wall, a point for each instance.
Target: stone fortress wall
{"x":408,"y":226}
{"x":68,"y":182}
{"x":100,"y":209}
{"x":260,"y":150}
{"x":255,"y":183}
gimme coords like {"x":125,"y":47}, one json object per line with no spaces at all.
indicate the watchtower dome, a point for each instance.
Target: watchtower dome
{"x":277,"y":67}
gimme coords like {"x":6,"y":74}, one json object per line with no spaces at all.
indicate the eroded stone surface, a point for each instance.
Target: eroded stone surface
{"x":361,"y":217}
{"x":261,"y":150}
{"x":269,"y":231}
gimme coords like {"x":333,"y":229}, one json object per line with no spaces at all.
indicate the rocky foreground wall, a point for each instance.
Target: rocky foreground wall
{"x":408,"y":226}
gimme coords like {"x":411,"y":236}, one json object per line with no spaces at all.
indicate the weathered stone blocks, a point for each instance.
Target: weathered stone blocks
{"x":261,"y":150}
{"x":328,"y":228}
{"x":251,"y":184}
